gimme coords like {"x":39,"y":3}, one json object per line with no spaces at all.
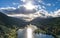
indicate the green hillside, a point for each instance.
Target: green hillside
{"x":9,"y":26}
{"x":49,"y":25}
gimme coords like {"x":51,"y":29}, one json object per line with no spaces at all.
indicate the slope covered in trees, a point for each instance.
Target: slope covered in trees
{"x":9,"y":25}
{"x":49,"y":25}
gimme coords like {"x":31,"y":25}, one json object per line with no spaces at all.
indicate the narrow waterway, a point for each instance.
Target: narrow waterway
{"x":22,"y":34}
{"x":28,"y":32}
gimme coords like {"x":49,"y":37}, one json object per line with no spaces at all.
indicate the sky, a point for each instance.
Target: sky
{"x":49,"y":5}
{"x":39,"y":8}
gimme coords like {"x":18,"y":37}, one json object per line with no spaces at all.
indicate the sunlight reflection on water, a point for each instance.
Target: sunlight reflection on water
{"x":28,"y":32}
{"x":21,"y":33}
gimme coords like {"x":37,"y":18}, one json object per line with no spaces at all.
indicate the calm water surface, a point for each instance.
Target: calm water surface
{"x":40,"y":35}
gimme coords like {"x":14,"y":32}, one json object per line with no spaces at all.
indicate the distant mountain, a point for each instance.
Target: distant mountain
{"x":41,"y":21}
{"x":11,"y":20}
{"x":46,"y":21}
{"x":50,"y":25}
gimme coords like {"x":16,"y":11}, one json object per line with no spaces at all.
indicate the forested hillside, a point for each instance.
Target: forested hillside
{"x":49,"y":25}
{"x":10,"y":25}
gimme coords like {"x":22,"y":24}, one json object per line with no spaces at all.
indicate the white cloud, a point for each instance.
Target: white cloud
{"x":7,"y":8}
{"x":40,"y":1}
{"x":28,"y":17}
{"x":23,"y":0}
{"x":20,"y":6}
{"x":41,"y":13}
{"x":39,"y":7}
{"x":51,"y":14}
{"x":26,"y":0}
{"x":29,"y":6}
{"x":43,"y":7}
{"x":57,"y":13}
{"x":48,"y":4}
{"x":15,"y":3}
{"x":30,"y":0}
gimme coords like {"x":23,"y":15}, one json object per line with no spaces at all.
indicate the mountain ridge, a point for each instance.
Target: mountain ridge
{"x":49,"y":25}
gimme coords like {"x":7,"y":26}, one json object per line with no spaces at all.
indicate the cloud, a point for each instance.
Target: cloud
{"x":40,"y":1}
{"x":15,"y":3}
{"x":33,"y":1}
{"x":23,"y":0}
{"x":20,"y":10}
{"x":43,"y":7}
{"x":7,"y":8}
{"x":44,"y":13}
{"x":23,"y":10}
{"x":41,"y":13}
{"x":28,"y":17}
{"x":38,"y":11}
{"x":56,"y":13}
{"x":51,"y":14}
{"x":48,"y":4}
{"x":28,"y":6}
